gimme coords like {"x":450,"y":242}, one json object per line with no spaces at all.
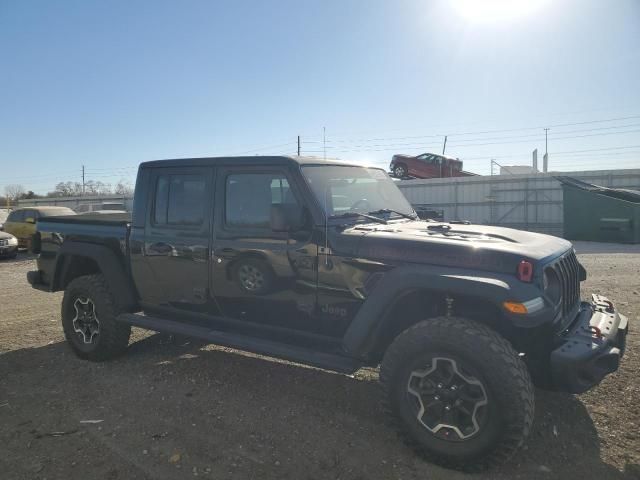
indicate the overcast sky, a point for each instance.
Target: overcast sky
{"x":111,"y":84}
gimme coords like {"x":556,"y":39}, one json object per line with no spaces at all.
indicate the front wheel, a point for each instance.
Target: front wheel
{"x":459,"y":392}
{"x":89,"y":319}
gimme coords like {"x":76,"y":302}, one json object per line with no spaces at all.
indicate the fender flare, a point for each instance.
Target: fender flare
{"x":109,"y":263}
{"x":366,"y":329}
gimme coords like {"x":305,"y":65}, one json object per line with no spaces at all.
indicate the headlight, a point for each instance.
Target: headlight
{"x":12,"y":241}
{"x":551,"y":284}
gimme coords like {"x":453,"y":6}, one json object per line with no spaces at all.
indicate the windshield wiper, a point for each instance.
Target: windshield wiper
{"x":388,"y":210}
{"x":358,"y":214}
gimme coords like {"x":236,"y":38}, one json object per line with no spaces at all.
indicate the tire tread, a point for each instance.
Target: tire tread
{"x":462,"y":330}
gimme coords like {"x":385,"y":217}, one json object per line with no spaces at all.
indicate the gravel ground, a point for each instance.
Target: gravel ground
{"x":181,"y":410}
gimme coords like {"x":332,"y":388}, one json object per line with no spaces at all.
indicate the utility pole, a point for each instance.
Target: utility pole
{"x":82,"y":179}
{"x":546,"y":145}
{"x":298,"y":145}
{"x":444,"y":146}
{"x":324,"y":141}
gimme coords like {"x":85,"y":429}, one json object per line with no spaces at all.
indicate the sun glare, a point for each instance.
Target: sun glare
{"x":486,"y":11}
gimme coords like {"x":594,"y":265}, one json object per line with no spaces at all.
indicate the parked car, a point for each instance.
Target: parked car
{"x":8,"y":245}
{"x":426,"y":165}
{"x":21,"y":222}
{"x":327,"y":264}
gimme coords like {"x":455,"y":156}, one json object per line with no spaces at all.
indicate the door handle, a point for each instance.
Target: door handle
{"x":160,"y":248}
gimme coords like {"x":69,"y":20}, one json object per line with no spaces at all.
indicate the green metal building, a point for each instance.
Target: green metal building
{"x":600,"y":214}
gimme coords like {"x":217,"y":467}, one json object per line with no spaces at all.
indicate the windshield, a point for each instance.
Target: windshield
{"x":347,"y":190}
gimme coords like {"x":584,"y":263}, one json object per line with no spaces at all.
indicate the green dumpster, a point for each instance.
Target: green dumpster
{"x":600,"y":214}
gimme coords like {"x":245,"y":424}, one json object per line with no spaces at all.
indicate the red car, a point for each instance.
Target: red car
{"x":427,"y":165}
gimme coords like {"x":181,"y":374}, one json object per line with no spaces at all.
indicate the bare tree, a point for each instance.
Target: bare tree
{"x":13,"y":192}
{"x":67,"y":189}
{"x":123,"y":188}
{"x":93,"y":187}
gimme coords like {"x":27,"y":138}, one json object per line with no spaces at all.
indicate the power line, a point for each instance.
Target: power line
{"x":365,"y":148}
{"x":483,"y":132}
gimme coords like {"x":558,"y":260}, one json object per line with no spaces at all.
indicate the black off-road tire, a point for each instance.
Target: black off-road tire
{"x":113,"y":336}
{"x":478,"y":348}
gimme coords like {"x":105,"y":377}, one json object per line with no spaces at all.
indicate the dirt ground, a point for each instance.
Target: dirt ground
{"x":183,"y":410}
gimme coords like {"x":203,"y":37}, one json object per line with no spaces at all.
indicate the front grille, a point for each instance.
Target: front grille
{"x":568,"y":270}
{"x":4,"y":242}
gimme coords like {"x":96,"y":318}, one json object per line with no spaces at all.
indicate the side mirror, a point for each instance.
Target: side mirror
{"x":286,"y":218}
{"x":30,"y":220}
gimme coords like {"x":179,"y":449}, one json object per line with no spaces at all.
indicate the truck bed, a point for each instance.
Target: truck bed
{"x":90,"y":225}
{"x":99,"y":218}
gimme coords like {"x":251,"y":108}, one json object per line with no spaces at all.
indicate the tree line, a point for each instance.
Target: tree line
{"x":15,"y":192}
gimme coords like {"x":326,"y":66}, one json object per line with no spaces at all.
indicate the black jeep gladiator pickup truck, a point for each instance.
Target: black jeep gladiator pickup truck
{"x":326,"y":264}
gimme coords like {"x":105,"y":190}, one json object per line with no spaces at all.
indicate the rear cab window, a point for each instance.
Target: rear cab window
{"x":180,"y":200}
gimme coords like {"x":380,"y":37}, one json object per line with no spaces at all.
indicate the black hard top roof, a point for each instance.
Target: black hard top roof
{"x":253,"y":160}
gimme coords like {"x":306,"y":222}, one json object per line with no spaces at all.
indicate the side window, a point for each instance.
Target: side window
{"x":179,"y":200}
{"x":16,"y":216}
{"x":249,"y":196}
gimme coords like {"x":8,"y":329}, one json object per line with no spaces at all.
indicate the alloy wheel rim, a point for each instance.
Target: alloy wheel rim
{"x":450,"y":403}
{"x":85,"y":322}
{"x":251,"y":278}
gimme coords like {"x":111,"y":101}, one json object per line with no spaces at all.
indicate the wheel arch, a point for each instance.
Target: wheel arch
{"x":408,"y":295}
{"x":76,"y":259}
{"x":417,"y":305}
{"x":244,"y":256}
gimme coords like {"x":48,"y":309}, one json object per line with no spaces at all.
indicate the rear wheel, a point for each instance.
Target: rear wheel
{"x":459,"y":392}
{"x":89,"y":320}
{"x":400,"y":170}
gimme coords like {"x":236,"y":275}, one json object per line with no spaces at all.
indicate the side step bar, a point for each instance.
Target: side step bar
{"x":261,"y":346}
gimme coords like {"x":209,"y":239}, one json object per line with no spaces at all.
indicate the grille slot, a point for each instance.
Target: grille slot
{"x":567,"y":269}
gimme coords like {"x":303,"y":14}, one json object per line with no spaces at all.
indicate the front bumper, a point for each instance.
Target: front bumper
{"x":8,"y":250}
{"x":590,"y":348}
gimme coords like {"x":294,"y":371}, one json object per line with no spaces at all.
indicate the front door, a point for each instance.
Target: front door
{"x":259,"y":275}
{"x":175,"y":263}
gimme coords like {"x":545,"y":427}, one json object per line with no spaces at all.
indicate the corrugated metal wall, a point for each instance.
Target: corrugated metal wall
{"x":528,"y":202}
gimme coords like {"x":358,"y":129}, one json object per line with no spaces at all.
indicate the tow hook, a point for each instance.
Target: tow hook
{"x":603,"y":303}
{"x":595,"y":332}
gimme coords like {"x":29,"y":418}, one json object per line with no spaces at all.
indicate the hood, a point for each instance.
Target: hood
{"x":480,"y":247}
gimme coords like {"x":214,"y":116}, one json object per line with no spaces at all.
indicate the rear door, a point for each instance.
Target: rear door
{"x":175,"y":270}
{"x":421,"y":165}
